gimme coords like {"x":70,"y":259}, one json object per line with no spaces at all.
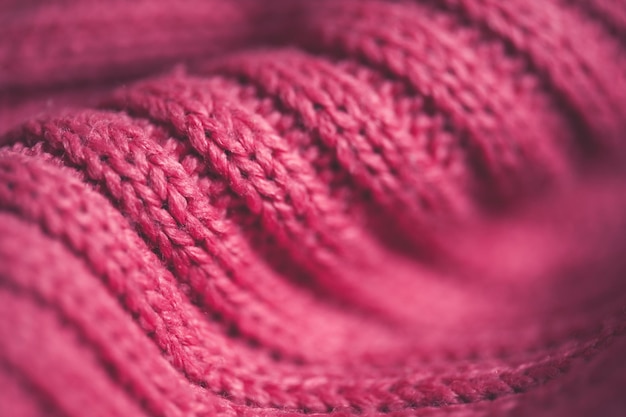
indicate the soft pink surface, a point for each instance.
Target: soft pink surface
{"x":312,"y":207}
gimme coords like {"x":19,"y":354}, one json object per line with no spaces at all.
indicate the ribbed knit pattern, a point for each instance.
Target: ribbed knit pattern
{"x":326,"y":207}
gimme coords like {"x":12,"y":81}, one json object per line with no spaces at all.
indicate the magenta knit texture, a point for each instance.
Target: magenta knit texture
{"x":286,"y":208}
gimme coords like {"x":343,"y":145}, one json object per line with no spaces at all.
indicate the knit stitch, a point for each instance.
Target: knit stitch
{"x":354,"y":207}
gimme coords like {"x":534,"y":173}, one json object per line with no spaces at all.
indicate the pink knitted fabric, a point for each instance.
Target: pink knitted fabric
{"x":322,"y":207}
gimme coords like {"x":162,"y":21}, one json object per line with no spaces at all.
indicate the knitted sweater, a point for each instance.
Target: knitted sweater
{"x":312,"y":207}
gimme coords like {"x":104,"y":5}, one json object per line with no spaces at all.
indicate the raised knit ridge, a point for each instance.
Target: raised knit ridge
{"x":371,"y":213}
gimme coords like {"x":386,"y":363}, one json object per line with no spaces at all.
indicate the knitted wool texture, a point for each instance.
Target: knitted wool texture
{"x":312,"y":207}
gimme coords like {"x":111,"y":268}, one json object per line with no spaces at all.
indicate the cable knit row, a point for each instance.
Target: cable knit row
{"x":283,"y":231}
